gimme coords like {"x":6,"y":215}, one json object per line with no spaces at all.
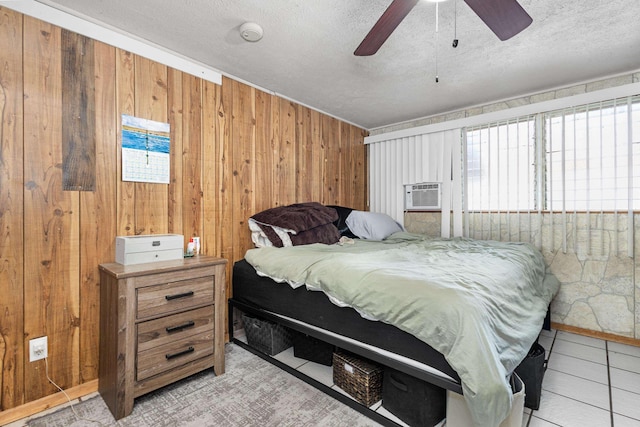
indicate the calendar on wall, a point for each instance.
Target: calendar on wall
{"x":145,"y":150}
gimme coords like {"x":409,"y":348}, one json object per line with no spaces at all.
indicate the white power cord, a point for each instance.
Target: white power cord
{"x":46,"y":366}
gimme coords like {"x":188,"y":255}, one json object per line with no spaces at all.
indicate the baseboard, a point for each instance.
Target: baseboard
{"x":47,"y":402}
{"x":596,"y":334}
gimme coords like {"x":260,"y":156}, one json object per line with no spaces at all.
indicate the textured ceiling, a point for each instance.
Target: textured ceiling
{"x":306,"y":53}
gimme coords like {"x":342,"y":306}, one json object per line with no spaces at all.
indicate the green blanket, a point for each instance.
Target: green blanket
{"x":480,"y":303}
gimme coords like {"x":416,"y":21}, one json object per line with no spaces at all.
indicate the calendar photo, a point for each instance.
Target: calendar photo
{"x":145,"y":150}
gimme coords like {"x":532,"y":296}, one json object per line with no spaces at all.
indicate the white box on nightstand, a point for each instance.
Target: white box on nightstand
{"x":149,"y":248}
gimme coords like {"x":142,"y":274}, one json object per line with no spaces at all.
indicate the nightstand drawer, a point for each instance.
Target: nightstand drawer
{"x":161,"y":299}
{"x":168,"y":329}
{"x":166,"y":357}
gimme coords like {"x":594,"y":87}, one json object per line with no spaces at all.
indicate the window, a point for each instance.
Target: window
{"x":500,"y":166}
{"x":589,"y":157}
{"x":581,"y":159}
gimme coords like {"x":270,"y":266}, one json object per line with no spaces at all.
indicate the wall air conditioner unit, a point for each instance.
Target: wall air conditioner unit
{"x":423,"y":197}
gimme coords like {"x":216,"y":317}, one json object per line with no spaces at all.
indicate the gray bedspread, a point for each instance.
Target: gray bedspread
{"x":480,"y":303}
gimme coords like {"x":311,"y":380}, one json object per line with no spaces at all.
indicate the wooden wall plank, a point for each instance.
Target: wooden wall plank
{"x":243,"y":144}
{"x":304,"y":155}
{"x":309,"y":155}
{"x":11,"y":212}
{"x":286,"y":153}
{"x":224,"y":137}
{"x":331,"y":143}
{"x":51,"y":239}
{"x":224,"y":179}
{"x":98,"y":210}
{"x":264,"y":153}
{"x":319,"y":157}
{"x":174,"y":98}
{"x":78,"y":113}
{"x":347,"y":168}
{"x":358,"y":195}
{"x":151,"y":200}
{"x":125,"y":104}
{"x":192,"y":157}
{"x":275,"y":155}
{"x":210,"y":238}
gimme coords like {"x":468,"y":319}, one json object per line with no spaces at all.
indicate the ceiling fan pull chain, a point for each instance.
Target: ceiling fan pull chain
{"x":455,"y":24}
{"x":437,"y":37}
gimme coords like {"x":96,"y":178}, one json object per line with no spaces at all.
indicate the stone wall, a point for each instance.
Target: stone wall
{"x":600,"y":288}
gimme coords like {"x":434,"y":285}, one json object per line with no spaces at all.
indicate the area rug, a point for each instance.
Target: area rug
{"x":252,"y":392}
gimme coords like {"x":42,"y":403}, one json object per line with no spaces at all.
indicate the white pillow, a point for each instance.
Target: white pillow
{"x":372,"y":225}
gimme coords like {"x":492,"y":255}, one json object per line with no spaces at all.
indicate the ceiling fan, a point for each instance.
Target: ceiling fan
{"x":505,"y":18}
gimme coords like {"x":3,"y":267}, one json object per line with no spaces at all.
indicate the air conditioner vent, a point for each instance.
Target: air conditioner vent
{"x":423,"y":197}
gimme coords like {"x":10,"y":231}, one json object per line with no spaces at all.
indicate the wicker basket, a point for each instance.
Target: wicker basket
{"x":361,"y":378}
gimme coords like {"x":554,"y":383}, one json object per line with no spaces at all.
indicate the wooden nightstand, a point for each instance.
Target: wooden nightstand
{"x":159,"y":322}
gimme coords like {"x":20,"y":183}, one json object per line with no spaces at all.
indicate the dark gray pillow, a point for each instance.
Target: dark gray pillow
{"x":341,"y":222}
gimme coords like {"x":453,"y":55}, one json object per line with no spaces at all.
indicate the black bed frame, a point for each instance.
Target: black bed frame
{"x":344,"y":344}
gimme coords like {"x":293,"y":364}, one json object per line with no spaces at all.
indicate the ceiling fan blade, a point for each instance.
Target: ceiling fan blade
{"x":505,"y":18}
{"x":382,"y":29}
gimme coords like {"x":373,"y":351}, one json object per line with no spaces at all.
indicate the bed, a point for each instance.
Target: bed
{"x":459,"y":313}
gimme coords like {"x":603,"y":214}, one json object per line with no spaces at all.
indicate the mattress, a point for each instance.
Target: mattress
{"x":314,"y":308}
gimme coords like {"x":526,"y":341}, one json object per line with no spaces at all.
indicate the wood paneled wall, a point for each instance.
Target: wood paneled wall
{"x":235,"y":151}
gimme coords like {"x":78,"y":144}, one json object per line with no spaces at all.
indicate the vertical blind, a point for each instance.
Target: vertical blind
{"x":433,"y":157}
{"x":499,"y":173}
{"x":582,"y":160}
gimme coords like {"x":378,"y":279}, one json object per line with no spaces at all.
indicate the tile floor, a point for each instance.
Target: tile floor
{"x":588,"y":383}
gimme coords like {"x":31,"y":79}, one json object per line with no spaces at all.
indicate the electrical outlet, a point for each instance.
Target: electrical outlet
{"x":38,"y":349}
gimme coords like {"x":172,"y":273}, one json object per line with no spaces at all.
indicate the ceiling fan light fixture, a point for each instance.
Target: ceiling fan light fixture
{"x":251,"y":32}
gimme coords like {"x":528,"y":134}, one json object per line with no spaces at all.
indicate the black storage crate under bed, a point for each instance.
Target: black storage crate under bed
{"x":268,"y":337}
{"x":312,"y":349}
{"x":416,"y":402}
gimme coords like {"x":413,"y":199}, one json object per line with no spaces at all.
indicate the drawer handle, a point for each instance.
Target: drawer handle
{"x":180,"y":353}
{"x":177,"y":296}
{"x":177,"y":328}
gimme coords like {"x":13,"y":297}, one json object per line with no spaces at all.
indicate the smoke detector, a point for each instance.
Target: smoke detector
{"x":251,"y":32}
